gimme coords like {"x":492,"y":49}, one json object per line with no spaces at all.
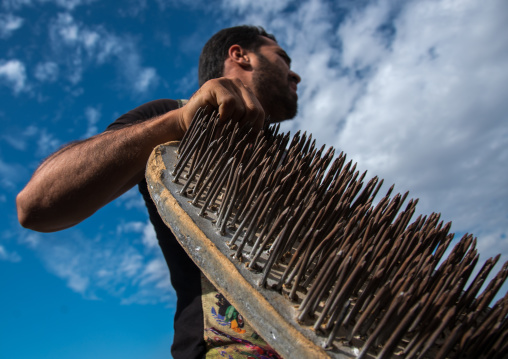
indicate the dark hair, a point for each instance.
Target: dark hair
{"x":215,"y":51}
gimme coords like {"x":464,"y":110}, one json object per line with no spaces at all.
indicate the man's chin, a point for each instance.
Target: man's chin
{"x":291,"y":112}
{"x":282,"y":108}
{"x":287,"y":117}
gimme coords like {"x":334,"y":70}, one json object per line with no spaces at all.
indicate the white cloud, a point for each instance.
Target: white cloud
{"x":145,"y":229}
{"x":137,"y":78}
{"x":8,"y":256}
{"x":13,"y":74}
{"x":132,"y":199}
{"x":146,"y":79}
{"x":15,"y":4}
{"x":155,"y":272}
{"x":362,"y":26}
{"x":47,"y":143}
{"x":188,"y":83}
{"x":154,"y":281}
{"x":432,"y":117}
{"x":8,"y":24}
{"x":84,"y":46}
{"x":66,"y":265}
{"x":14,"y":141}
{"x":11,"y":174}
{"x":114,"y":264}
{"x":264,"y":6}
{"x":132,"y":8}
{"x":31,"y":131}
{"x":71,"y":4}
{"x":93,"y":116}
{"x":130,"y":264}
{"x":134,"y":226}
{"x":67,"y":29}
{"x":67,"y":45}
{"x":492,"y":243}
{"x":149,"y":238}
{"x":66,"y":4}
{"x":46,"y":71}
{"x":30,"y":239}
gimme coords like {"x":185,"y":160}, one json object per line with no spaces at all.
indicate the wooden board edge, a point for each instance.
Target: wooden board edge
{"x":204,"y":253}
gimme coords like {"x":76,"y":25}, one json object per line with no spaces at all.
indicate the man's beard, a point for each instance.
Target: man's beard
{"x":274,"y":93}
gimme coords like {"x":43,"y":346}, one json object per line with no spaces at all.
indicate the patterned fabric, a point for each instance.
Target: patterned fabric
{"x":227,"y":334}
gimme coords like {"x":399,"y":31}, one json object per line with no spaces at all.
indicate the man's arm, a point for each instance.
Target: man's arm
{"x":76,"y":181}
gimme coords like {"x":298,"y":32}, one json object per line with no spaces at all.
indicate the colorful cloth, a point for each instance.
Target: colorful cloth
{"x":227,"y":333}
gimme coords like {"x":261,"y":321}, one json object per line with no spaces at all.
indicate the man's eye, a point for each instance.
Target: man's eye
{"x":286,"y":59}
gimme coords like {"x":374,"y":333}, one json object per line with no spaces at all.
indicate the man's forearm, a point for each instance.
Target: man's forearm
{"x":76,"y":181}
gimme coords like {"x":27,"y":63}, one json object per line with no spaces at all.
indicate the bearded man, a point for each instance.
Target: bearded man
{"x":243,"y":74}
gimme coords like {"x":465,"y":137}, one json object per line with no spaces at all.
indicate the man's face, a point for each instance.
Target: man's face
{"x":273,"y":82}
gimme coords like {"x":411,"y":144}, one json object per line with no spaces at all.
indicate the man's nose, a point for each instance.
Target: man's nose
{"x":294,"y":77}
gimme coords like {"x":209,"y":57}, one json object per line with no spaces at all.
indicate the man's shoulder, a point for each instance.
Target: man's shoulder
{"x":159,"y":106}
{"x":146,"y":111}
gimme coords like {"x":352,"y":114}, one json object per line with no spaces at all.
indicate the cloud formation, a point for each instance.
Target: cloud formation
{"x":66,"y":4}
{"x":8,"y":256}
{"x":75,"y":47}
{"x":8,"y":24}
{"x":46,"y":71}
{"x":433,"y":112}
{"x":11,"y":174}
{"x":414,"y":92}
{"x":115,"y":264}
{"x":79,"y":46}
{"x":13,"y":74}
{"x":93,"y":116}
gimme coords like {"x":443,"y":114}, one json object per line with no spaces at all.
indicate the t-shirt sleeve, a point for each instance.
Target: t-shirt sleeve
{"x":145,"y":112}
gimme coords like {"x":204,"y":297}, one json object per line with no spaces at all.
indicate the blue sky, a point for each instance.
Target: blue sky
{"x":414,"y":91}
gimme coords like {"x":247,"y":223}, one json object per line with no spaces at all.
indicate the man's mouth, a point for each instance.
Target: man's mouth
{"x":293,"y":86}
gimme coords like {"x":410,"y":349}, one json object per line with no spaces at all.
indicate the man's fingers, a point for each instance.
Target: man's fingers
{"x":254,"y":114}
{"x":233,"y":100}
{"x":231,"y":104}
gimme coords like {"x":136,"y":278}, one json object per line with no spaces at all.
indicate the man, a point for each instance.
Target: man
{"x":246,"y":76}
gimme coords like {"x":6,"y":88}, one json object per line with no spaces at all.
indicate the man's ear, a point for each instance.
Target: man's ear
{"x":239,"y":56}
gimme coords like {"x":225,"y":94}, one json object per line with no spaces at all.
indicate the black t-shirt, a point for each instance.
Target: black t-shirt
{"x":205,"y":322}
{"x":185,"y":276}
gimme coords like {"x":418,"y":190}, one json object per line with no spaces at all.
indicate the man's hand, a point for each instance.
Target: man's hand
{"x":231,"y":98}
